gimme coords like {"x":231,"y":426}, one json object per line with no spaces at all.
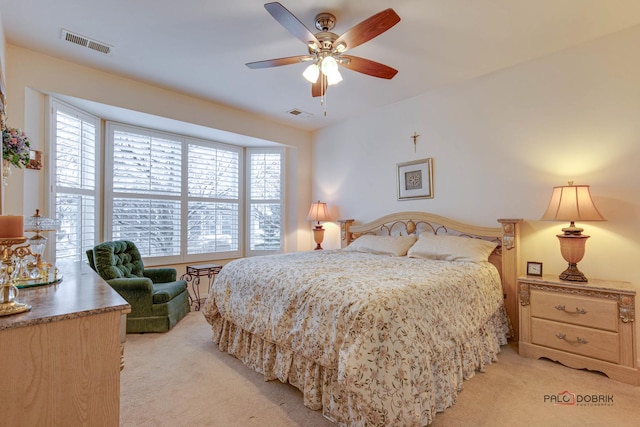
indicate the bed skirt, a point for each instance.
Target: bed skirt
{"x":322,"y":389}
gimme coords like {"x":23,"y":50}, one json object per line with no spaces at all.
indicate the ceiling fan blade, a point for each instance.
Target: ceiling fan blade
{"x":368,"y":29}
{"x":291,"y":23}
{"x":319,"y":88}
{"x":278,"y":61}
{"x":367,"y":66}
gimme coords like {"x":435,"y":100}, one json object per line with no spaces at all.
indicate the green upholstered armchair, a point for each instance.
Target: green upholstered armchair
{"x":158,"y":301}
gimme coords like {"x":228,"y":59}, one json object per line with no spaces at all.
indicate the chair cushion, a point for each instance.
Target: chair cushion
{"x":165,"y":292}
{"x":118,"y":259}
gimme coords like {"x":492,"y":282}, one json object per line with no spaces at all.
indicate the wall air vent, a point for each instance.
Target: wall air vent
{"x":83,"y":41}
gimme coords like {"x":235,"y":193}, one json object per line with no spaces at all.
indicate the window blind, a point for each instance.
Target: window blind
{"x":213,"y":223}
{"x":146,"y":188}
{"x":76,"y":187}
{"x":266,"y":199}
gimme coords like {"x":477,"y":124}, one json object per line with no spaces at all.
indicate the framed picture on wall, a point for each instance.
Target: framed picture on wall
{"x":415,"y":179}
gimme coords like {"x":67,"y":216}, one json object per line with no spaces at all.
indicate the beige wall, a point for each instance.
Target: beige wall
{"x":2,"y":74}
{"x":30,"y":75}
{"x":499,"y":144}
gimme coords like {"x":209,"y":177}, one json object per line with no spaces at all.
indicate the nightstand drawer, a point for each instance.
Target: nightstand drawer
{"x":588,"y":342}
{"x":579,"y":310}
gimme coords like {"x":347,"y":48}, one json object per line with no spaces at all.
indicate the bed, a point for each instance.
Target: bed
{"x":381,"y":332}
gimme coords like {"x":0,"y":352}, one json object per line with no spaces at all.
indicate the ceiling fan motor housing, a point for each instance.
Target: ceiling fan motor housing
{"x":326,"y":40}
{"x":325,"y":21}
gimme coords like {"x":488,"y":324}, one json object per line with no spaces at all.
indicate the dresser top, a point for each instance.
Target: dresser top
{"x":80,"y":293}
{"x":592,"y":284}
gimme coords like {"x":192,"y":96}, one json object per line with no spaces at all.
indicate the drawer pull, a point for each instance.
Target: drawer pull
{"x":578,"y":310}
{"x":578,"y":340}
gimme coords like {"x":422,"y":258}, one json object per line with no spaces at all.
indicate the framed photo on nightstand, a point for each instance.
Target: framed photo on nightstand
{"x":534,"y":268}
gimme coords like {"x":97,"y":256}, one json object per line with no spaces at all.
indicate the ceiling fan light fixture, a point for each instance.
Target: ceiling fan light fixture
{"x":311,"y":73}
{"x":341,"y":47}
{"x":334,"y":77}
{"x":328,"y":65}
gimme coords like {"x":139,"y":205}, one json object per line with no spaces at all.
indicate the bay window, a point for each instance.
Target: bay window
{"x":180,"y":199}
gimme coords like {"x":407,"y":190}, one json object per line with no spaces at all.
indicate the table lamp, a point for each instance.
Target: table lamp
{"x":572,"y":203}
{"x":318,"y":212}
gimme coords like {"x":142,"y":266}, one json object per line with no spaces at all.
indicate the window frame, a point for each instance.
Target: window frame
{"x":183,"y":256}
{"x":53,"y":106}
{"x":249,"y":201}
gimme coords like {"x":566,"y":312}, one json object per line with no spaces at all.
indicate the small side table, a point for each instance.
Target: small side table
{"x":193,"y":274}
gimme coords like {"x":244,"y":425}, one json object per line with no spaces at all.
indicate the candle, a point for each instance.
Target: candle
{"x":11,"y":226}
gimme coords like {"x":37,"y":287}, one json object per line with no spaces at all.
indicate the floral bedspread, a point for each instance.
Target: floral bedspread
{"x":370,"y":339}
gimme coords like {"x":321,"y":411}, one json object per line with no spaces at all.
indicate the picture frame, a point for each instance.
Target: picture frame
{"x":415,"y":179}
{"x":534,"y":268}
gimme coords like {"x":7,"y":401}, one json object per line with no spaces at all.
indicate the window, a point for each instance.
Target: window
{"x":163,"y":187}
{"x":180,"y":199}
{"x":76,"y":187}
{"x":213,"y":223}
{"x":144,"y":190}
{"x":266,"y":200}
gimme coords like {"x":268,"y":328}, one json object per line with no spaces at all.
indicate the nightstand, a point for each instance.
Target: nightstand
{"x":581,"y":325}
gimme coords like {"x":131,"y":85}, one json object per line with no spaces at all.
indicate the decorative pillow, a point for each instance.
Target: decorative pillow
{"x":384,"y":245}
{"x":451,"y":248}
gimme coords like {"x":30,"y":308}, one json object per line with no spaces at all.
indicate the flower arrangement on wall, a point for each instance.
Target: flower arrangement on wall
{"x":15,"y":147}
{"x":15,"y":151}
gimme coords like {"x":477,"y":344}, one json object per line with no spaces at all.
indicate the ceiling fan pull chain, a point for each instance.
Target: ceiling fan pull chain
{"x":323,"y":100}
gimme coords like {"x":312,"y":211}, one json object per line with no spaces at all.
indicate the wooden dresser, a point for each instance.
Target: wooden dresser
{"x":581,"y":325}
{"x":61,"y":361}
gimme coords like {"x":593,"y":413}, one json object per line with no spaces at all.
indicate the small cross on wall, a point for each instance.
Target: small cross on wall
{"x":415,"y":140}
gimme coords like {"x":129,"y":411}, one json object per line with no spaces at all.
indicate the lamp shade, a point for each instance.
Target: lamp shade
{"x":328,"y":65}
{"x":311,"y":73}
{"x":334,"y":77}
{"x":572,"y":203}
{"x":318,"y":212}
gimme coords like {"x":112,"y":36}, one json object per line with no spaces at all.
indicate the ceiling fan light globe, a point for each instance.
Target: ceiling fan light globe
{"x":328,"y":65}
{"x":334,"y":77}
{"x":311,"y":73}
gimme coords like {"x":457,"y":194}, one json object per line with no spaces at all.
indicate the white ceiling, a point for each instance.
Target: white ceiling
{"x":200,"y":47}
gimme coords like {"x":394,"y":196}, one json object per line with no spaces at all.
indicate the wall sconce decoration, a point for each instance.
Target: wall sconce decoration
{"x":35,"y":160}
{"x":572,"y":203}
{"x":318,"y":212}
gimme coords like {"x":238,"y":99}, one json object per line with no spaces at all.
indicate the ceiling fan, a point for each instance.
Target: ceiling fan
{"x":326,"y":49}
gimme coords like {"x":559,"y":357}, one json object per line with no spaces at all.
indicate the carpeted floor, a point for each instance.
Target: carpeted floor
{"x":181,"y":379}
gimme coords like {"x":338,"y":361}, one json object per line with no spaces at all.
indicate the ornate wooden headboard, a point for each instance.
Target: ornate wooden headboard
{"x":504,"y":257}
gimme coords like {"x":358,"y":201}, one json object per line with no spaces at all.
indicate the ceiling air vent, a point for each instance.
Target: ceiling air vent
{"x":83,"y":41}
{"x":299,"y":113}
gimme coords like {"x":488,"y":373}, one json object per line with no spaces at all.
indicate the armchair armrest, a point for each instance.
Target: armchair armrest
{"x":160,"y":275}
{"x":137,"y":291}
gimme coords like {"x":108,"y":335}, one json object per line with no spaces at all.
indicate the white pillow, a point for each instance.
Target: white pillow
{"x":384,"y":245}
{"x":451,"y":248}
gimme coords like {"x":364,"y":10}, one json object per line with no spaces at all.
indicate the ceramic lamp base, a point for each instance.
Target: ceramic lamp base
{"x":318,"y":236}
{"x":572,"y":274}
{"x":572,"y":247}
